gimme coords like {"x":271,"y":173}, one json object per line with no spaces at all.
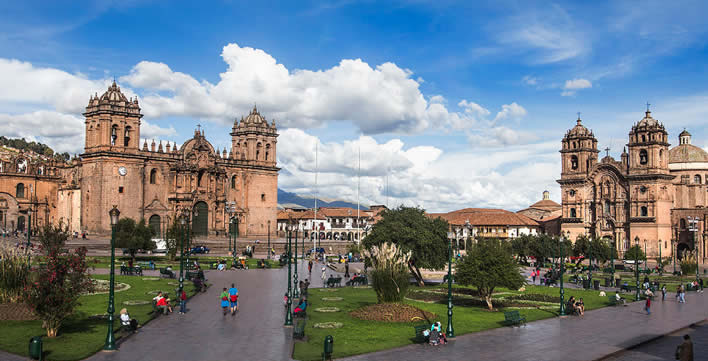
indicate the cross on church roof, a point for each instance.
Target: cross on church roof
{"x":608,"y":151}
{"x":578,"y":115}
{"x":648,"y":106}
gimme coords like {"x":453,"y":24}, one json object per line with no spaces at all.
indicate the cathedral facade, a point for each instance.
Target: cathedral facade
{"x":645,"y":198}
{"x":156,"y":183}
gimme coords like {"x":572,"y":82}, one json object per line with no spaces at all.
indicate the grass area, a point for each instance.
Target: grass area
{"x":80,"y":336}
{"x":359,"y":336}
{"x":667,"y":279}
{"x":162,"y":261}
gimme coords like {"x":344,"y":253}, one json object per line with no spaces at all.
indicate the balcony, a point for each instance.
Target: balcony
{"x":492,"y":235}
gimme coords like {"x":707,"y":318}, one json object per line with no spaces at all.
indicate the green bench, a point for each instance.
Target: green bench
{"x":513,"y":318}
{"x":147,"y":265}
{"x":419,"y":333}
{"x":334,"y":281}
{"x":628,"y":288}
{"x":167,"y":273}
{"x":125,"y":270}
{"x":613,"y":300}
{"x":299,"y":330}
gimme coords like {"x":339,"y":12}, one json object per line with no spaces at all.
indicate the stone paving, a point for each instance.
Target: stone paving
{"x":664,"y":348}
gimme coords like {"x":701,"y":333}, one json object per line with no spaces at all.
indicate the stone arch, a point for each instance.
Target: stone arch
{"x":200,"y":222}
{"x":153,"y":176}
{"x":155,"y":223}
{"x":233,"y":182}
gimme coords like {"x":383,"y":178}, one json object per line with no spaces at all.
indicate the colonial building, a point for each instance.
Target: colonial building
{"x":645,"y":197}
{"x":547,"y":213}
{"x":153,"y":183}
{"x":334,"y":223}
{"x":475,"y":223}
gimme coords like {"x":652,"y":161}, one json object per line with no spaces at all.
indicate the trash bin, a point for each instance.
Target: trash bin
{"x":596,"y":284}
{"x":35,"y":348}
{"x":328,"y":348}
{"x":607,"y":282}
{"x":586,"y":284}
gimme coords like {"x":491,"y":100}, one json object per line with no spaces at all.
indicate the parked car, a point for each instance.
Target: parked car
{"x":199,"y":249}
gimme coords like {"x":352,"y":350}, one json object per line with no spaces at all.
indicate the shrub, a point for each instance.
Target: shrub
{"x":688,"y":262}
{"x":390,"y":276}
{"x":14,"y":272}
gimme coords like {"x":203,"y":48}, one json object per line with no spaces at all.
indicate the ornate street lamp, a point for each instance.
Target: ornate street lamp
{"x":612,"y":261}
{"x":693,"y":227}
{"x":233,"y":225}
{"x":190,"y":220}
{"x":450,"y":331}
{"x":673,"y":254}
{"x":562,"y":268}
{"x":636,"y":265}
{"x":288,"y":311}
{"x":29,"y":233}
{"x":110,"y":344}
{"x":269,"y":239}
{"x":183,"y":222}
{"x":646,"y":258}
{"x":295,"y":281}
{"x":590,"y":263}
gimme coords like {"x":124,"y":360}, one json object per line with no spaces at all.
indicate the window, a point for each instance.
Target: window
{"x":126,"y":137}
{"x":267,"y":151}
{"x":153,"y":176}
{"x":644,"y":138}
{"x":120,"y":189}
{"x":114,"y":134}
{"x":263,"y":197}
{"x":697,"y":179}
{"x":572,"y":213}
{"x":20,"y":191}
{"x":683,"y":223}
{"x":200,"y":177}
{"x":574,"y":145}
{"x":574,"y":162}
{"x":643,"y":157}
{"x":644,"y":212}
{"x":607,"y":208}
{"x":233,"y":182}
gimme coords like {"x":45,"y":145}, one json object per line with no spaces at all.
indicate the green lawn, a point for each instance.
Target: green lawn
{"x":358,"y":336}
{"x":667,"y":279}
{"x":162,"y":261}
{"x":80,"y":336}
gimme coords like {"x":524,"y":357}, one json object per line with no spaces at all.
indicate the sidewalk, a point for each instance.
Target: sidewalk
{"x":600,"y":333}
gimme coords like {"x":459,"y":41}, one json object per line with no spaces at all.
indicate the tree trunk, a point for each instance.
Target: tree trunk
{"x":52,"y":332}
{"x":416,"y":273}
{"x":488,"y":299}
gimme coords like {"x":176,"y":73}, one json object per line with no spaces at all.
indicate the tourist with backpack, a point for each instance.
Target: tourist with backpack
{"x":233,"y":298}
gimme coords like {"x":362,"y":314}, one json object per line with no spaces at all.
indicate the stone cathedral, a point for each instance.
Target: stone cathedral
{"x":644,"y":198}
{"x":154,"y":183}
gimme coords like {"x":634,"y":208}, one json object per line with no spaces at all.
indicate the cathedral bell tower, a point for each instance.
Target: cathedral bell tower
{"x":579,"y":151}
{"x":648,"y":147}
{"x":253,"y":140}
{"x":112,"y":122}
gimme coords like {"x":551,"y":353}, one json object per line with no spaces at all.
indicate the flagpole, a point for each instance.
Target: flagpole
{"x":358,"y":186}
{"x":317,"y":228}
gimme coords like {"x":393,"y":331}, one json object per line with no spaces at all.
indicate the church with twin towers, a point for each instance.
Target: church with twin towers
{"x":649,"y":197}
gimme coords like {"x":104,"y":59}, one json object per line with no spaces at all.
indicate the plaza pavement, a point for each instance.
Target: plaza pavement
{"x":664,"y":348}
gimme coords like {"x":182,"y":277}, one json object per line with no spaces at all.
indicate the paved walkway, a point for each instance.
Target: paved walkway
{"x":600,"y":333}
{"x":664,"y":348}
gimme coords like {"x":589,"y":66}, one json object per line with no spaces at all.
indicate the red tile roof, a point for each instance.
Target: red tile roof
{"x":485,"y":217}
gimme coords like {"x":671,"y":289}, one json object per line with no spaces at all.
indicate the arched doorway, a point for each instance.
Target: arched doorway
{"x":155,"y":224}
{"x":21,"y":223}
{"x":680,"y":249}
{"x":200,"y":222}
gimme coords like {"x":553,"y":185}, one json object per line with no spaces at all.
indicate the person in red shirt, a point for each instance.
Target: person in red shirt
{"x":182,"y":302}
{"x":163,"y":303}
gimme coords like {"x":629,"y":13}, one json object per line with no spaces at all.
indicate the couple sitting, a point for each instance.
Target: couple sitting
{"x":301,"y":307}
{"x":162,"y":303}
{"x":575,"y":307}
{"x":435,"y":335}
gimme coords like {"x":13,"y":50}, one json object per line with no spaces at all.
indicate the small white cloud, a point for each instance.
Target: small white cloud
{"x":530,"y":80}
{"x":511,"y":111}
{"x":572,"y":86}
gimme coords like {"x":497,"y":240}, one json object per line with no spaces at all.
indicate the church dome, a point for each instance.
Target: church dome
{"x":579,"y":130}
{"x":255,"y":117}
{"x":113,"y":94}
{"x":687,"y":153}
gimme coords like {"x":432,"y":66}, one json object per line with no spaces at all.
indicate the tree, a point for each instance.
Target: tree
{"x":581,"y":248}
{"x":634,"y":253}
{"x":413,"y":231}
{"x":520,"y":247}
{"x":134,"y":237}
{"x":53,"y":238}
{"x":172,"y":237}
{"x":487,"y":265}
{"x":542,"y":247}
{"x":54,"y":293}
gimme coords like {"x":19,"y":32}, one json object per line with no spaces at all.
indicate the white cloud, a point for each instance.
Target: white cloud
{"x":500,"y":137}
{"x":510,"y":178}
{"x":62,"y":132}
{"x":571,"y":86}
{"x":530,"y":80}
{"x":511,"y":111}
{"x":149,"y":130}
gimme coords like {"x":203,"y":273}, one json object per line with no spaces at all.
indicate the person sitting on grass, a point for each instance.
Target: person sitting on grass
{"x":162,"y":303}
{"x":127,"y":322}
{"x":301,"y":307}
{"x":580,"y":307}
{"x":570,"y":305}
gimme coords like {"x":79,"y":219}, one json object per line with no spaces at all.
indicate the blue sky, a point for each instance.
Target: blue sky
{"x":461,"y":103}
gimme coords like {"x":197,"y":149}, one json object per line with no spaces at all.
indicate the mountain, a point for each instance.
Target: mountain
{"x":287,"y":199}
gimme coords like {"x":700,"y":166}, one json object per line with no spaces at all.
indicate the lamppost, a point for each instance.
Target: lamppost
{"x":29,"y":232}
{"x":191,"y":215}
{"x":661,"y":264}
{"x":590,"y":263}
{"x":612,"y":261}
{"x":230,"y":209}
{"x":562,"y":268}
{"x":183,"y":221}
{"x":110,"y":341}
{"x":646,"y":257}
{"x":269,"y":239}
{"x":295,"y":282}
{"x":673,"y":254}
{"x":636,"y":265}
{"x":288,"y":310}
{"x":693,"y":227}
{"x":450,"y":331}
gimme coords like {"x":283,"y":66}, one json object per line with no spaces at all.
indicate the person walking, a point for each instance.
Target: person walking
{"x":309,"y":266}
{"x":324,"y":275}
{"x":346,"y":269}
{"x":682,"y":294}
{"x":182,"y":301}
{"x":684,"y":351}
{"x":233,"y":298}
{"x":663,"y":293}
{"x":700,"y":283}
{"x":533,"y":277}
{"x":647,"y":305}
{"x":224,"y":297}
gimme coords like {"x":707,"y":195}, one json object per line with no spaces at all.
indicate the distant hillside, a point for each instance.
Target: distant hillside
{"x":287,"y":198}
{"x":39,"y":148}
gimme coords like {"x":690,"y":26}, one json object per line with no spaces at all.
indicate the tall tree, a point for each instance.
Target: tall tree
{"x":520,"y":246}
{"x":413,"y":231}
{"x":488,"y":265}
{"x":134,"y":236}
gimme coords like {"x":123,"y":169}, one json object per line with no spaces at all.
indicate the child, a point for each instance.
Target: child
{"x":224,"y":301}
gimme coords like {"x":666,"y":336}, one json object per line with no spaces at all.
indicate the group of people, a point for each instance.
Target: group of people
{"x":163,"y":303}
{"x":576,"y":307}
{"x":435,"y":335}
{"x":229,"y":300}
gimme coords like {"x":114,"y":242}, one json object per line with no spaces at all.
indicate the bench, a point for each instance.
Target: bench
{"x":628,"y":288}
{"x":299,"y":330}
{"x":613,"y":301}
{"x":301,"y":314}
{"x":192,"y":274}
{"x":513,"y":318}
{"x":147,"y":265}
{"x":332,"y":281}
{"x":125,"y":270}
{"x":358,"y":280}
{"x":419,"y":334}
{"x":167,"y":273}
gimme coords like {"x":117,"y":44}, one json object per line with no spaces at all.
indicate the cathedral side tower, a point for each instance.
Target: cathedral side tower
{"x":579,"y":151}
{"x":253,"y":140}
{"x":648,"y":147}
{"x":112,"y":122}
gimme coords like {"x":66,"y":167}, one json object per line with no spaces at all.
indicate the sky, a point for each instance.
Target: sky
{"x":447,"y":104}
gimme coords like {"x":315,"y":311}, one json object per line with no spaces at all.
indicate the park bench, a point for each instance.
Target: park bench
{"x":299,"y":329}
{"x":513,"y":318}
{"x":198,"y":274}
{"x":167,"y":273}
{"x":358,"y":280}
{"x":628,"y":288}
{"x":613,"y":301}
{"x":419,"y":334}
{"x":147,"y":265}
{"x":125,"y":270}
{"x":332,"y":281}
